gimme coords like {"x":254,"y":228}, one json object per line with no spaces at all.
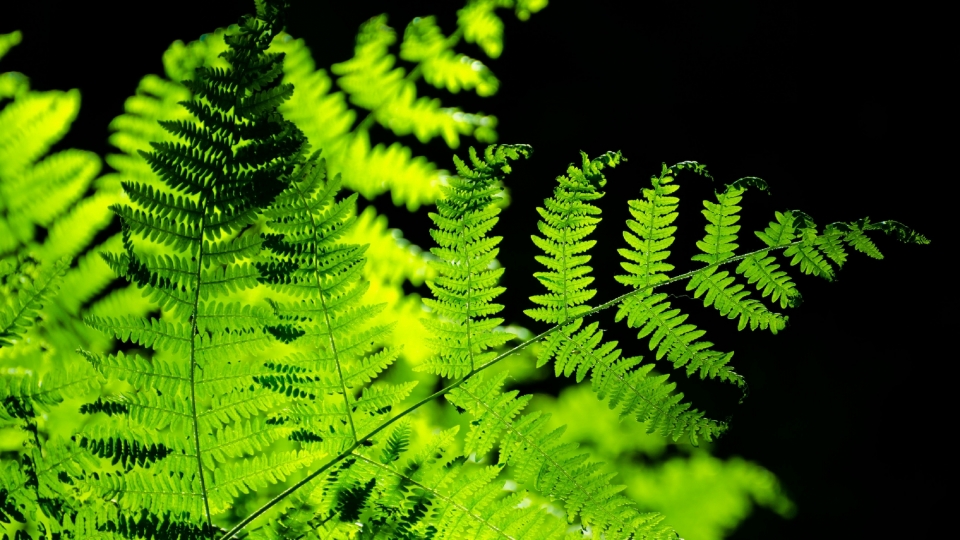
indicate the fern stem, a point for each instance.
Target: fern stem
{"x":193,"y":368}
{"x":459,"y":382}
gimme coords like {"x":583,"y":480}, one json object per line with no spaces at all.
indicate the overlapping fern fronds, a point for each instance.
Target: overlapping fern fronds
{"x":42,"y":196}
{"x":652,"y":232}
{"x":48,"y":222}
{"x":189,"y":236}
{"x":540,"y":459}
{"x":568,"y":219}
{"x":36,"y":490}
{"x":320,"y":277}
{"x":331,"y":122}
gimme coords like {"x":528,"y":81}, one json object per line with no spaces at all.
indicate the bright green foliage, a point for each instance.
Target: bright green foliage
{"x":34,"y":193}
{"x":719,"y":288}
{"x":307,"y":261}
{"x":699,"y":495}
{"x":540,"y":458}
{"x":25,"y":298}
{"x":481,"y":25}
{"x":567,"y":220}
{"x":42,"y":383}
{"x":7,"y":42}
{"x":467,"y":273}
{"x":266,"y":382}
{"x":373,"y":83}
{"x":32,"y":492}
{"x":342,"y":131}
{"x":705,"y":497}
{"x":651,"y":233}
{"x":762,"y":269}
{"x":434,"y":491}
{"x":45,"y":191}
{"x":231,"y":158}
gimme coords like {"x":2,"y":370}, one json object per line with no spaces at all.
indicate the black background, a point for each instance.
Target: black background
{"x":843,"y":111}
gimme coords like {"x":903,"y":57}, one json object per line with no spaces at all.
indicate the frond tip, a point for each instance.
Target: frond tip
{"x":467,"y":273}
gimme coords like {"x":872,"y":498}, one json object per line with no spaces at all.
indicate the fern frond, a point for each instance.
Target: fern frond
{"x":159,"y":374}
{"x":538,"y":458}
{"x":26,"y":303}
{"x":480,"y":24}
{"x":154,"y":333}
{"x":466,"y":276}
{"x":239,"y":477}
{"x":569,"y":217}
{"x":140,"y":490}
{"x":470,"y":505}
{"x":652,"y":233}
{"x":130,"y":445}
{"x":372,"y":82}
{"x":425,"y":44}
{"x":189,"y":240}
{"x":567,"y":220}
{"x":26,"y":393}
{"x":9,"y":41}
{"x":306,"y":258}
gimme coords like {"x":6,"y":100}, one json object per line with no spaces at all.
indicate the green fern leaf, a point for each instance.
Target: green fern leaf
{"x":762,"y":270}
{"x":538,"y":458}
{"x":466,"y":281}
{"x":188,"y":241}
{"x":567,"y":220}
{"x":308,"y":260}
{"x":19,"y":315}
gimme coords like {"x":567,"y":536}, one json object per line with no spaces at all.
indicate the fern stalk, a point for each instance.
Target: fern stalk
{"x":195,"y":334}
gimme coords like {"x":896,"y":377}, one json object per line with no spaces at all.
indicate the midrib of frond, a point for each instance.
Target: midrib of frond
{"x":194,"y":337}
{"x":323,"y":305}
{"x":563,"y":260}
{"x":433,"y":491}
{"x":508,"y":425}
{"x":50,"y":390}
{"x":122,"y":368}
{"x":651,"y":230}
{"x":462,"y":246}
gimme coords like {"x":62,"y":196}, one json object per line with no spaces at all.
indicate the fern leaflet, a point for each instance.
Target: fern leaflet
{"x":466,"y":273}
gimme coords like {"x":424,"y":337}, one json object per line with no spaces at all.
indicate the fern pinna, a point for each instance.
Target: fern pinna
{"x":230,"y":160}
